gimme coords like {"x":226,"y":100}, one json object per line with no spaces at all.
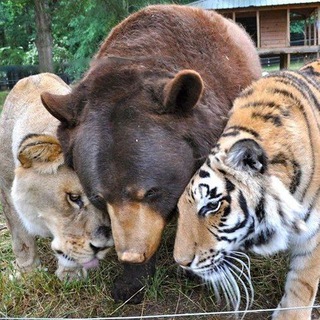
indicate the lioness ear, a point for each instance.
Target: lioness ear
{"x":42,"y":152}
{"x":183,"y":92}
{"x":247,"y":155}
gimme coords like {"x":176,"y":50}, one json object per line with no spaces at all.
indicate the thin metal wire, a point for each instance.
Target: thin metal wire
{"x":159,"y":316}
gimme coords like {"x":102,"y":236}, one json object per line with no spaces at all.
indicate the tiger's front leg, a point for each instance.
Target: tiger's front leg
{"x":302,"y":282}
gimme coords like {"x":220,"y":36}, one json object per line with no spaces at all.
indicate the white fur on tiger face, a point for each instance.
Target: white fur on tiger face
{"x":259,"y":191}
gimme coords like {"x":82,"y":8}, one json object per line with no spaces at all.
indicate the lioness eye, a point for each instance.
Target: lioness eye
{"x":76,"y":199}
{"x":209,"y":208}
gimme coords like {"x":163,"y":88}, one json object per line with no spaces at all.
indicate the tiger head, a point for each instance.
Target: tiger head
{"x":233,"y":204}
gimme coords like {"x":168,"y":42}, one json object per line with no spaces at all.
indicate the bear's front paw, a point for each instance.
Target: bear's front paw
{"x":124,"y":290}
{"x":130,"y":286}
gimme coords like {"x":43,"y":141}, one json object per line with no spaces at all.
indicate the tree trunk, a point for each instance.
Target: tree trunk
{"x":44,"y":41}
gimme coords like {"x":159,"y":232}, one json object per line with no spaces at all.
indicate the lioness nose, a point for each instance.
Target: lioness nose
{"x":96,"y":249}
{"x":104,"y":231}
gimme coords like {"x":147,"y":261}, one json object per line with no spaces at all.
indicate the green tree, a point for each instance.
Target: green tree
{"x":16,"y":23}
{"x":77,"y":29}
{"x":16,"y":29}
{"x":44,"y":41}
{"x":84,"y":24}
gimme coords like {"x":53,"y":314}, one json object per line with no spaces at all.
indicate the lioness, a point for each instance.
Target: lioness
{"x":40,"y":195}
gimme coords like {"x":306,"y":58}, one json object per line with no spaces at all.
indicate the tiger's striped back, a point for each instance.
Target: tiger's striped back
{"x":281,"y":112}
{"x":259,"y":190}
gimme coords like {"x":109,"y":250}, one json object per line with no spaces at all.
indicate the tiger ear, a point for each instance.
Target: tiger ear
{"x":183,"y":92}
{"x":247,"y":155}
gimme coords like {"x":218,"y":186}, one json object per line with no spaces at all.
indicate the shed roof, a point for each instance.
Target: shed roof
{"x":232,"y":4}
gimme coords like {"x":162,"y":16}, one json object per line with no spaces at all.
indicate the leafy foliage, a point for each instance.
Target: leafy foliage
{"x":78,"y":28}
{"x":11,"y":56}
{"x":16,"y":23}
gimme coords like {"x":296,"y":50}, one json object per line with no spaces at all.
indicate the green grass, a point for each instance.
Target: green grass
{"x":40,"y":294}
{"x":3,"y":95}
{"x":293,"y":65}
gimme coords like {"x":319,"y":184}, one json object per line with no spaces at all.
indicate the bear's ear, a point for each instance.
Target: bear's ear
{"x":183,"y":91}
{"x":42,"y":152}
{"x":63,"y":107}
{"x":247,"y":155}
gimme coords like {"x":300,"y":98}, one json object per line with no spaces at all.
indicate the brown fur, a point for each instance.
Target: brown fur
{"x":150,"y":107}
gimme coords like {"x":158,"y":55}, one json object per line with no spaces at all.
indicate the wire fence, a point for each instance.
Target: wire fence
{"x":239,"y":313}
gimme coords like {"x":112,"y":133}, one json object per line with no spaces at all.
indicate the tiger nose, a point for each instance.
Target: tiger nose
{"x":183,"y":262}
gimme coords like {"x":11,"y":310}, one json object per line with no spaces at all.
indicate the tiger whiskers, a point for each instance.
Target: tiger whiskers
{"x":249,"y":293}
{"x":244,"y":272}
{"x":225,"y":278}
{"x":243,"y":255}
{"x":230,"y":288}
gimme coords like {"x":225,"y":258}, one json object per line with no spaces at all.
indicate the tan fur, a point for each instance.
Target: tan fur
{"x":180,"y":68}
{"x":140,"y":231}
{"x":274,"y":191}
{"x":38,"y":191}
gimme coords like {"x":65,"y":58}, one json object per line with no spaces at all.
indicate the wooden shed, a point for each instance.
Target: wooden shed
{"x":272,"y":24}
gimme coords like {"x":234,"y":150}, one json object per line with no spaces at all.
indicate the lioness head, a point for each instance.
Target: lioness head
{"x":50,"y":202}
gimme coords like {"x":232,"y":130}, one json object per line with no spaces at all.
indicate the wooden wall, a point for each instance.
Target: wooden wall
{"x":273,"y":29}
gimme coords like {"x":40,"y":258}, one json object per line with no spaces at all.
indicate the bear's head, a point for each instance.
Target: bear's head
{"x":130,"y":134}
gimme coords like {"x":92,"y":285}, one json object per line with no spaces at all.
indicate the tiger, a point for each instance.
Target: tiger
{"x":259,"y":191}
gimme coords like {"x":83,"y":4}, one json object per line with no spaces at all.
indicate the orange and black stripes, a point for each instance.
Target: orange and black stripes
{"x":236,"y":130}
{"x":259,"y":188}
{"x":289,"y":90}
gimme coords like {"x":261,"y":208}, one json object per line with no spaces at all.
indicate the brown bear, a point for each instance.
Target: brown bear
{"x":144,"y":117}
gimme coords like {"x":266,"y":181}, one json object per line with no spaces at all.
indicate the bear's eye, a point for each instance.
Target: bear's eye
{"x":152,"y":194}
{"x":209,"y":208}
{"x":98,"y":201}
{"x":76,"y":199}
